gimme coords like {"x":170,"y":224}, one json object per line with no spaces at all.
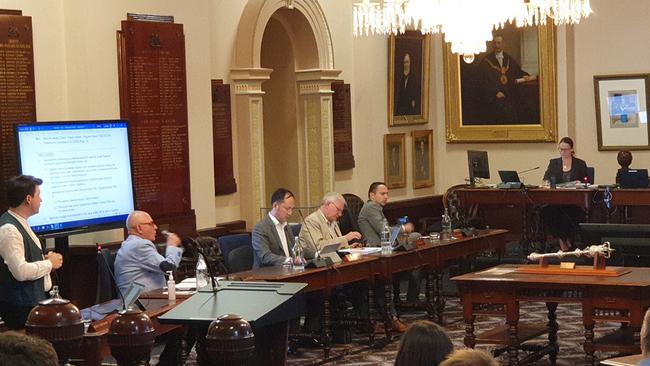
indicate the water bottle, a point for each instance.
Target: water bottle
{"x":298,"y":259}
{"x":386,"y":245}
{"x":445,"y":233}
{"x":171,"y":286}
{"x":202,"y":274}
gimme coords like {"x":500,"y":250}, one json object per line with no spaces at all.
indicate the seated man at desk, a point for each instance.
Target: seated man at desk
{"x":321,"y":227}
{"x":139,"y":261}
{"x":371,"y":221}
{"x":272,"y":239}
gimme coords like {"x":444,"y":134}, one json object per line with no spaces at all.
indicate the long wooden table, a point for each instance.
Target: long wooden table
{"x":499,"y":290}
{"x":515,"y":209}
{"x":433,"y":258}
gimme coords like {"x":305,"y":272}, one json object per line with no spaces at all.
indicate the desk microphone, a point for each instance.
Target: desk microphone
{"x":317,"y":261}
{"x":108,"y":267}
{"x":527,"y":170}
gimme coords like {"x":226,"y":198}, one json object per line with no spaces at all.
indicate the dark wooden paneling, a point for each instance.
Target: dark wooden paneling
{"x":224,"y":179}
{"x":342,"y":121}
{"x":153,"y":98}
{"x":17,"y":88}
{"x":420,"y":210}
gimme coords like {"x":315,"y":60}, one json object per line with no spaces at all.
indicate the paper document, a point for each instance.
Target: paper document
{"x":362,"y":251}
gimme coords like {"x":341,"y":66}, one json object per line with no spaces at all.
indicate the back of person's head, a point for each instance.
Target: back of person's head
{"x":424,"y":344}
{"x":19,"y":187}
{"x":624,"y":158}
{"x":469,"y":357}
{"x":18,"y":349}
{"x":645,"y":335}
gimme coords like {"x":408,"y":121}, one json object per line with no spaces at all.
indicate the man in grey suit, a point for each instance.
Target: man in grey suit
{"x":371,"y":219}
{"x":272,"y":239}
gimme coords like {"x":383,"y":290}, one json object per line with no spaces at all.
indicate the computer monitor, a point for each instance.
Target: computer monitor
{"x":477,"y":162}
{"x":633,"y":178}
{"x":509,"y":176}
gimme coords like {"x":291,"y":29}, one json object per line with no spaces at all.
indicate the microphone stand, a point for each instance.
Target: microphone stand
{"x":213,"y":278}
{"x":317,"y":261}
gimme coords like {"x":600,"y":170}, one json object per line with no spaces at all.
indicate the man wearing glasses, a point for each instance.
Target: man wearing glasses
{"x":139,"y":261}
{"x":321,"y":228}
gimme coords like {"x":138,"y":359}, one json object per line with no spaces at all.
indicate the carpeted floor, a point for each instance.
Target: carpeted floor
{"x":570,"y":337}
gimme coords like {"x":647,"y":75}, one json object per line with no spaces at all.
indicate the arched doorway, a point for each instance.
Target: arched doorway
{"x":282,"y":73}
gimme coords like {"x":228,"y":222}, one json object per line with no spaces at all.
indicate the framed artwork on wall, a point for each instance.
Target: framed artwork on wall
{"x":422,"y":158}
{"x":408,"y":78}
{"x":506,"y":94}
{"x":394,"y":160}
{"x":622,"y":111}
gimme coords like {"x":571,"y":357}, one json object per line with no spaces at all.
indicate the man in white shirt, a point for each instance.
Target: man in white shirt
{"x":24,"y":269}
{"x":645,"y":340}
{"x":272,"y":239}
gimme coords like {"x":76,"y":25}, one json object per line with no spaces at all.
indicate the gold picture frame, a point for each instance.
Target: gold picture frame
{"x":394,"y":160}
{"x":422,"y":158}
{"x":408,"y":97}
{"x":622,"y":103}
{"x":542,"y":127}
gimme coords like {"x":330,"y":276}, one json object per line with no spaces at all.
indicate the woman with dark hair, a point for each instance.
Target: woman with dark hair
{"x":424,"y":344}
{"x":562,"y":220}
{"x":566,"y":168}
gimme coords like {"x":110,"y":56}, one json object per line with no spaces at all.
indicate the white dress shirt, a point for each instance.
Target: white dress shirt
{"x":499,"y":56}
{"x":12,"y":251}
{"x":279,"y":227}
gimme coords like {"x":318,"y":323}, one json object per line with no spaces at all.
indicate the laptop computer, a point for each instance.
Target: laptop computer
{"x":130,"y":297}
{"x":634,"y":178}
{"x":508,"y":176}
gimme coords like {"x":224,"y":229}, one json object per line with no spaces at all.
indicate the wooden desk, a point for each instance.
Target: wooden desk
{"x":523,"y":201}
{"x":433,"y":258}
{"x":319,"y":279}
{"x":94,"y":347}
{"x":632,"y":360}
{"x":498,"y":291}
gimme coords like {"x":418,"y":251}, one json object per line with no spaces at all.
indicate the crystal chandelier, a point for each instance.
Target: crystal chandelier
{"x":467,"y":24}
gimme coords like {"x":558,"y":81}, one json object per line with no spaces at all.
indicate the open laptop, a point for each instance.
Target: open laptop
{"x":508,"y":176}
{"x":634,"y":178}
{"x":130,"y":297}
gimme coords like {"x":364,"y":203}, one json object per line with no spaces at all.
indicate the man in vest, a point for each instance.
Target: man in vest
{"x":24,"y":268}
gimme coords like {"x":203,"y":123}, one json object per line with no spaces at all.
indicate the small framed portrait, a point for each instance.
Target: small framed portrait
{"x":507,"y":93}
{"x":408,"y":78}
{"x":422,"y":158}
{"x":394,"y":160}
{"x":622,"y":111}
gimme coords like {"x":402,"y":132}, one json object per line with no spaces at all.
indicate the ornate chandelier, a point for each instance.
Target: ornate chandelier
{"x":467,"y":24}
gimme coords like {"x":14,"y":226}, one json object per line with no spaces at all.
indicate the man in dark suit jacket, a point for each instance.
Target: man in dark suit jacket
{"x":272,"y":239}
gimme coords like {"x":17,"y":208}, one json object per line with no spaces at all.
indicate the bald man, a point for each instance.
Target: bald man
{"x":139,"y":261}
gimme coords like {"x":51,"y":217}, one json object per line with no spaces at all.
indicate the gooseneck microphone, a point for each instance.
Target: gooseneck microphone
{"x":528,"y":170}
{"x":317,"y":262}
{"x":108,"y":268}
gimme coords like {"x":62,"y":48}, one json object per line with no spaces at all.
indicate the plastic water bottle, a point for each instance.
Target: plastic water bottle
{"x":298,"y":259}
{"x":202,"y":274}
{"x":171,"y":286}
{"x":386,"y":245}
{"x":445,"y":233}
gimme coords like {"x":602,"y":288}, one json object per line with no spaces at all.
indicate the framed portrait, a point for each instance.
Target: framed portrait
{"x":408,"y":78}
{"x":394,"y":160}
{"x":622,"y":111}
{"x":507,"y":93}
{"x":422,"y":158}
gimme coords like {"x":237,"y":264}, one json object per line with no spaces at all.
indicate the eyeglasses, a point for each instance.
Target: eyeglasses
{"x":339,"y":210}
{"x":149,"y":223}
{"x":564,"y":149}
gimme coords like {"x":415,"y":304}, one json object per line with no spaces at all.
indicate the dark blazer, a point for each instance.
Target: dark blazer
{"x":578,"y":170}
{"x":267,"y":247}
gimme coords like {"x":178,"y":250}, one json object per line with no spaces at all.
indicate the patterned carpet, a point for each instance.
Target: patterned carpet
{"x":570,"y":337}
